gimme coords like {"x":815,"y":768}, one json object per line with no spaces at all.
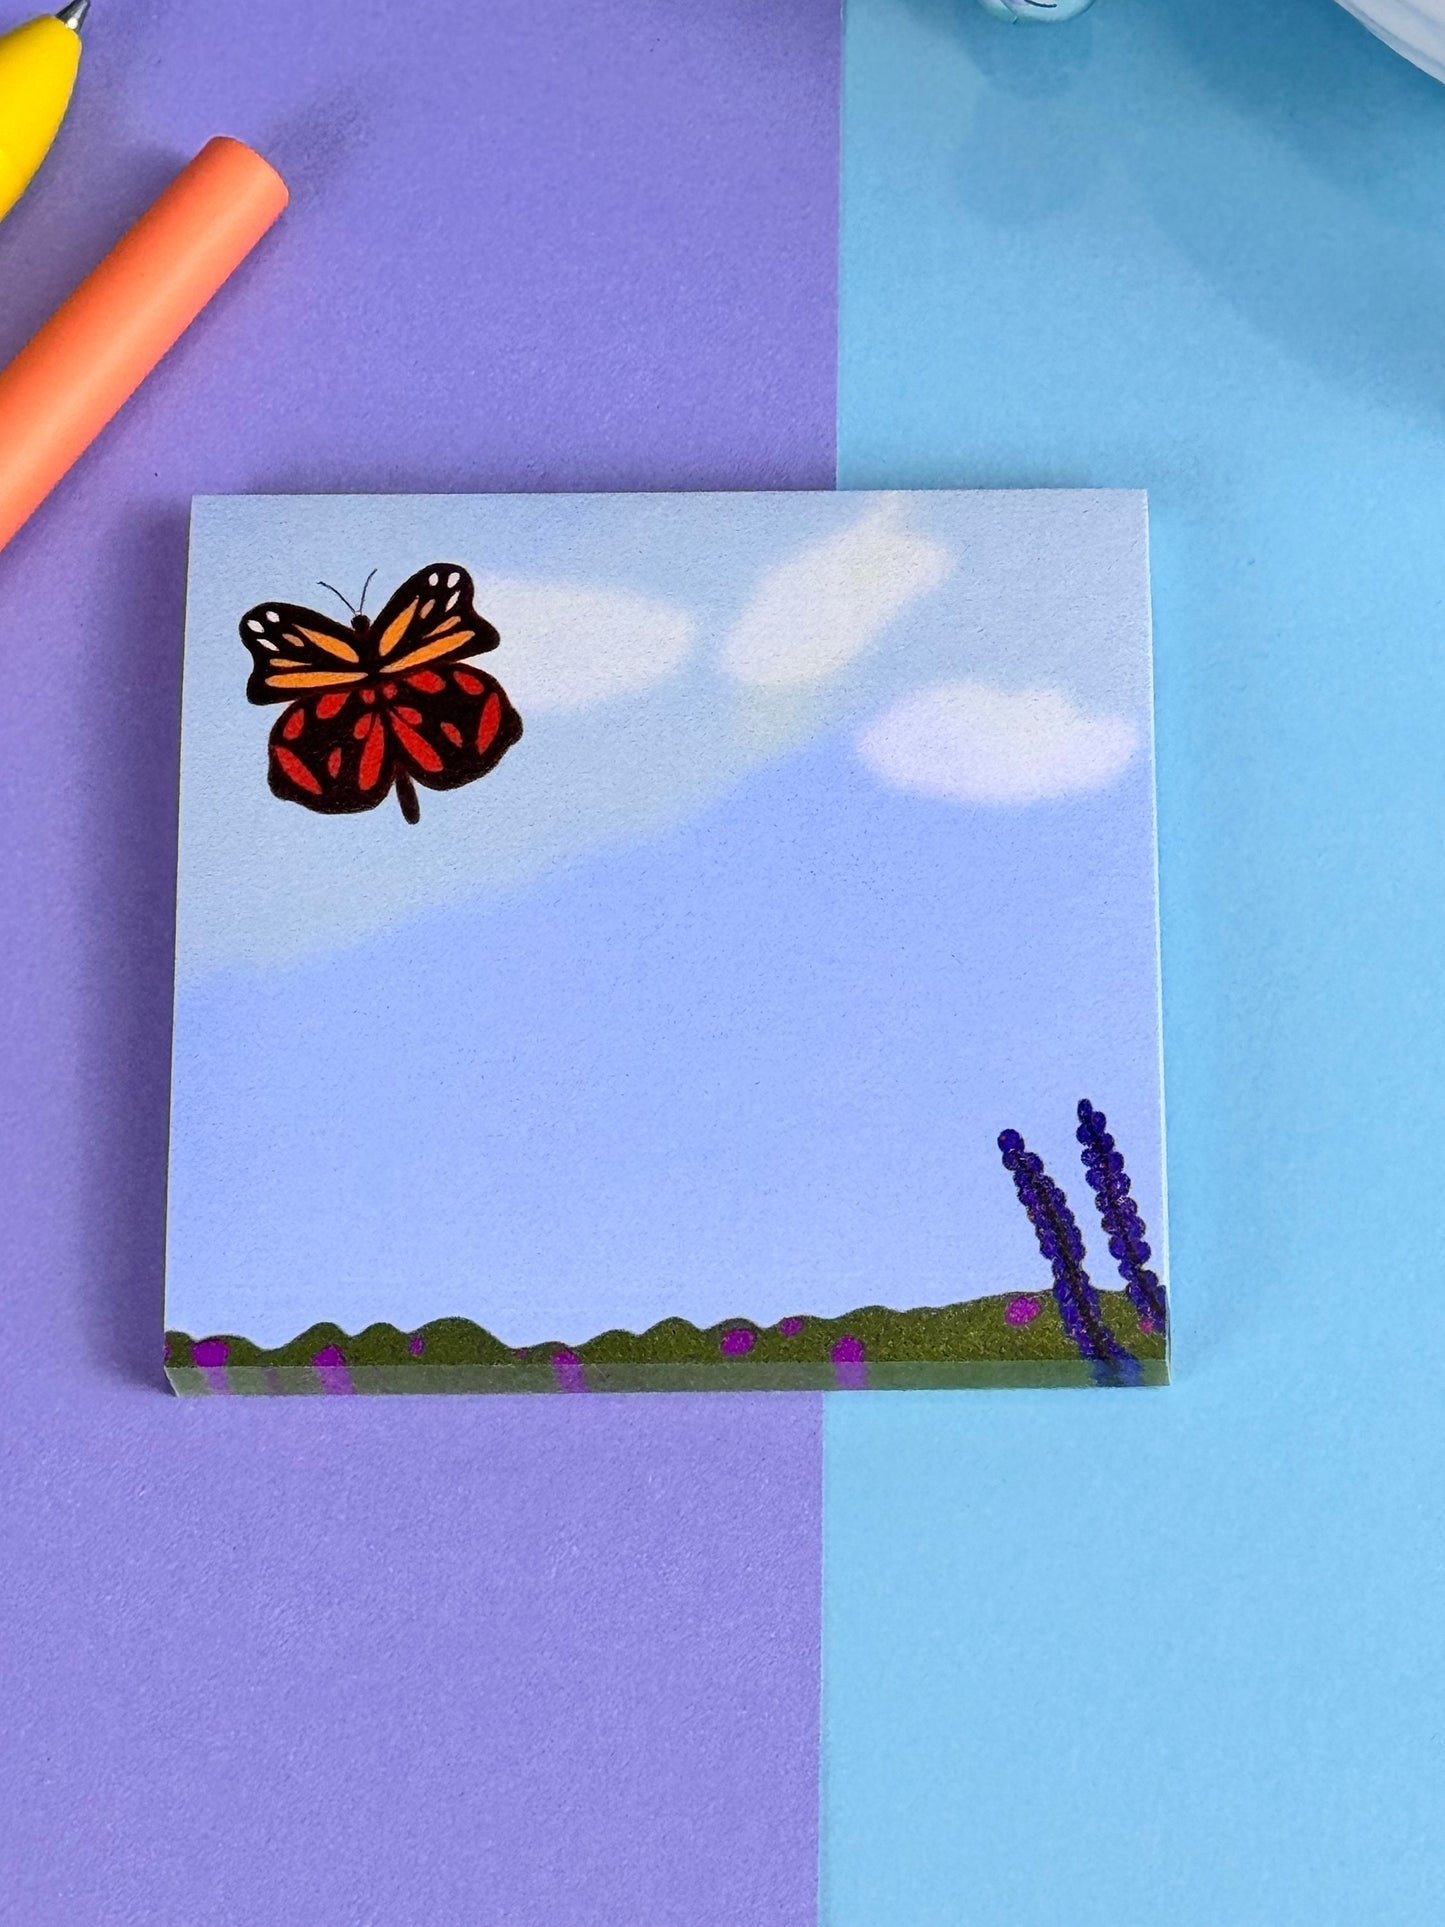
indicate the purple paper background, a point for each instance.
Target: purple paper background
{"x":473,"y":1662}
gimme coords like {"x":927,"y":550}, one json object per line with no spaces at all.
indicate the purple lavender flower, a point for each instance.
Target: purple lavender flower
{"x":1119,"y":1216}
{"x":1061,"y":1243}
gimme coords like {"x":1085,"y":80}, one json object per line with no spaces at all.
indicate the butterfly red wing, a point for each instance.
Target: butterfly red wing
{"x":342,"y":751}
{"x":386,"y":703}
{"x":449,"y":725}
{"x":333,"y":752}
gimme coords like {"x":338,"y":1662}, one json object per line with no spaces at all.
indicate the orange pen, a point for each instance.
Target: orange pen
{"x":90,"y":357}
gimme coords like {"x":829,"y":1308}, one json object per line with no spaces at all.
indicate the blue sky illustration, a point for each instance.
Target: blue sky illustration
{"x":827,"y":854}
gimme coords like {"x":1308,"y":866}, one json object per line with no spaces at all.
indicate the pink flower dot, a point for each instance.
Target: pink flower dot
{"x":416,"y":1344}
{"x":849,"y":1350}
{"x":568,"y":1371}
{"x":737,"y":1342}
{"x":1148,"y":1324}
{"x":790,"y":1327}
{"x":1022,"y":1311}
{"x":211,"y":1351}
{"x":329,"y":1355}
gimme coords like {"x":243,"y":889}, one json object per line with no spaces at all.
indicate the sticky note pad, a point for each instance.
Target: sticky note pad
{"x":657,"y":942}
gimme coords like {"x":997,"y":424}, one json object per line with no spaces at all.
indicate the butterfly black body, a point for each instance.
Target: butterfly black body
{"x":385,"y":702}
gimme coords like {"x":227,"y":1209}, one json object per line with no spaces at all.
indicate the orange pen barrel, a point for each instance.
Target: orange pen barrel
{"x":87,"y":361}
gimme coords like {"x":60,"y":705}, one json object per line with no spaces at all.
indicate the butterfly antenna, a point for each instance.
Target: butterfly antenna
{"x":364,"y":587}
{"x":339,"y":596}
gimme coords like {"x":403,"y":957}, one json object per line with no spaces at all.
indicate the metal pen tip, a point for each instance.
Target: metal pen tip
{"x":73,"y":15}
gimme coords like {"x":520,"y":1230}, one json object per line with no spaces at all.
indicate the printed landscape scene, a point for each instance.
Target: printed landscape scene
{"x":780,"y":1010}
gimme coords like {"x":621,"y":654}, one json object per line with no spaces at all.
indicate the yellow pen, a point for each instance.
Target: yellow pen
{"x":38,"y":65}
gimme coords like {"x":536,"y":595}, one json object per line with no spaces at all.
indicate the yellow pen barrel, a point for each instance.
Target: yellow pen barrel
{"x":38,"y":65}
{"x":12,"y":183}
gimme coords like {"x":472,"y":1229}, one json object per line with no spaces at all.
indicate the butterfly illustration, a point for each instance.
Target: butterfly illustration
{"x":382,"y":702}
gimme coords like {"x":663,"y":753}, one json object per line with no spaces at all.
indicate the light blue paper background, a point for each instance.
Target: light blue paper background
{"x":681,"y":1011}
{"x":1177,"y":1661}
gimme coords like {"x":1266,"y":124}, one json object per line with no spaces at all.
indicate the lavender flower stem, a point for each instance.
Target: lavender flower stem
{"x":1119,"y":1215}
{"x":1062,"y":1244}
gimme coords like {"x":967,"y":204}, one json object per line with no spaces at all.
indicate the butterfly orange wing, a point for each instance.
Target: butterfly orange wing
{"x":295,"y":651}
{"x":431,"y":619}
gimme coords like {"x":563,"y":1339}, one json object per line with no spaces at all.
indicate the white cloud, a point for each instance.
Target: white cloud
{"x":567,"y":647}
{"x":814,"y":613}
{"x":969,"y":743}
